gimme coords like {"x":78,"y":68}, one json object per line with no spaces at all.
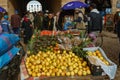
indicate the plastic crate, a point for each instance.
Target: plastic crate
{"x":95,"y":70}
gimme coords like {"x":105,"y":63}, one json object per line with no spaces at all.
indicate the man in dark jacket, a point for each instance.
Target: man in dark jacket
{"x":48,"y":22}
{"x":38,"y":21}
{"x":95,"y":22}
{"x":117,"y":24}
{"x":94,"y":19}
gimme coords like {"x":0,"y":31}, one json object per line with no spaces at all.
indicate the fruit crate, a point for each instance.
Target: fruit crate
{"x":96,"y":70}
{"x":109,"y":67}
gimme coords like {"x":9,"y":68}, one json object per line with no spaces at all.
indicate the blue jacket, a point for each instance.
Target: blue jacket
{"x":5,"y":24}
{"x":67,"y":24}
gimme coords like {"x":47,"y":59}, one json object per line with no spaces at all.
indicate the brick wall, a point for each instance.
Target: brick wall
{"x":4,"y":4}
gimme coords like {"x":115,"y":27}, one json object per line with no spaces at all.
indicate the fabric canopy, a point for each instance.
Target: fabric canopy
{"x":74,"y":5}
{"x":2,"y":9}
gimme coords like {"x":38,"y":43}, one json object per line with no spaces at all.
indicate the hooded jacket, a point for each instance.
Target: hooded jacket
{"x":5,"y":24}
{"x":94,"y":21}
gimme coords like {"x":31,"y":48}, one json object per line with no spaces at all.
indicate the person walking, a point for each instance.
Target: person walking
{"x":58,"y":21}
{"x":16,"y":22}
{"x":45,"y":21}
{"x":116,"y":19}
{"x":38,"y":21}
{"x":31,"y":17}
{"x":50,"y":21}
{"x":79,"y":19}
{"x":5,"y":25}
{"x":117,"y":25}
{"x":28,"y":29}
{"x":95,"y":22}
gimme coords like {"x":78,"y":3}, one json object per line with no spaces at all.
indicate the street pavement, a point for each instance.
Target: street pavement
{"x":111,"y":46}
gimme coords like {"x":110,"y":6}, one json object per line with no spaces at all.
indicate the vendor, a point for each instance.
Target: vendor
{"x":79,"y":18}
{"x":95,"y":22}
{"x":68,"y":22}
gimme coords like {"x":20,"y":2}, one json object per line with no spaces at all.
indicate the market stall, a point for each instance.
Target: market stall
{"x":65,"y":54}
{"x":69,"y":18}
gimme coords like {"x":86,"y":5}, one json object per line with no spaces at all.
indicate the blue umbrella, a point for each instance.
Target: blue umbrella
{"x":2,"y":9}
{"x":73,"y":5}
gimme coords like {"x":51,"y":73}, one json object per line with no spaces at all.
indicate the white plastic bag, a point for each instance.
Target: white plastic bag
{"x":109,"y":70}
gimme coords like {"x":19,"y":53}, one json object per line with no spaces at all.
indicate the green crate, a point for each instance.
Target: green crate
{"x":96,"y":70}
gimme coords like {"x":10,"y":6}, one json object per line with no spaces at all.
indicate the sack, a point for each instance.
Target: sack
{"x":7,"y":57}
{"x":7,"y":41}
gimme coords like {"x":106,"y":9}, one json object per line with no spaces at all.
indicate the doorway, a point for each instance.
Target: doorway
{"x":34,"y":6}
{"x":20,"y":5}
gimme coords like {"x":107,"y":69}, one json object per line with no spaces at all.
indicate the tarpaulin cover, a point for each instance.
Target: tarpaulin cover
{"x":7,"y":57}
{"x":7,"y":41}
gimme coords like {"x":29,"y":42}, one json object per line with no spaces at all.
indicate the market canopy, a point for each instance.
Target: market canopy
{"x":2,"y":9}
{"x":74,"y":5}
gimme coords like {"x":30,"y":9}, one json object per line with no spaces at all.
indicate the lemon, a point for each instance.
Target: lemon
{"x":88,"y":72}
{"x":84,"y":73}
{"x":30,"y":72}
{"x":68,"y":73}
{"x":48,"y":74}
{"x":43,"y":73}
{"x":53,"y":74}
{"x":33,"y":74}
{"x":72,"y":73}
{"x":63,"y":73}
{"x":58,"y":74}
{"x":79,"y":73}
{"x":38,"y":74}
{"x":71,"y":68}
{"x":75,"y":71}
{"x":101,"y":58}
